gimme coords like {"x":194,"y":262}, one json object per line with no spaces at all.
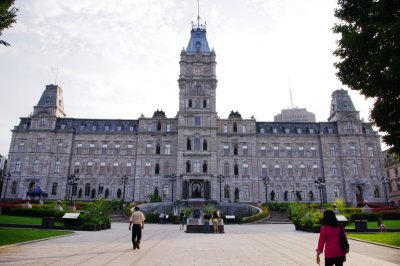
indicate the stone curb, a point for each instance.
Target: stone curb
{"x":36,"y":240}
{"x":378,"y":244}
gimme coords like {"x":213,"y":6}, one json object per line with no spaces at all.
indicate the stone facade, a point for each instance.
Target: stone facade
{"x":392,"y":168}
{"x":196,"y":154}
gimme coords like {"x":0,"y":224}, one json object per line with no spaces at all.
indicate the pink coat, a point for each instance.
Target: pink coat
{"x":329,"y":237}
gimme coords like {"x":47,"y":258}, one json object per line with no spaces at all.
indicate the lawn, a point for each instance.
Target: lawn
{"x":9,"y":219}
{"x":13,"y":235}
{"x":373,"y":225}
{"x":392,"y":239}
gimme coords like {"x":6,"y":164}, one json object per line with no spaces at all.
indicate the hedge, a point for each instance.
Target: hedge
{"x":33,"y":212}
{"x":369,"y":216}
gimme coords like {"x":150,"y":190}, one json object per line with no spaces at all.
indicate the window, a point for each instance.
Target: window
{"x":36,"y":166}
{"x":225,"y":128}
{"x":42,"y":121}
{"x":236,"y":169}
{"x":131,"y":128}
{"x":149,"y":127}
{"x":226,"y":150}
{"x":235,"y":150}
{"x":115,"y":168}
{"x":104,"y":149}
{"x":299,"y":131}
{"x":196,"y":166}
{"x":13,"y":188}
{"x":196,"y":144}
{"x":107,"y":128}
{"x":315,"y":170}
{"x":262,"y":130}
{"x":21,"y":146}
{"x":168,"y":127}
{"x":188,"y":170}
{"x":226,"y":169}
{"x":76,"y":167}
{"x":157,"y":169}
{"x":117,"y":149}
{"x":87,"y":190}
{"x":355,"y":169}
{"x":245,"y":169}
{"x":302,"y":170}
{"x":274,"y":130}
{"x":264,"y":169}
{"x":376,"y":192}
{"x":226,"y":192}
{"x":287,"y":130}
{"x":336,"y":192}
{"x":129,"y":149}
{"x":204,"y":145}
{"x":18,"y":166}
{"x":370,"y":151}
{"x":39,"y":146}
{"x":289,"y":152}
{"x":91,"y":148}
{"x":165,"y":191}
{"x":246,"y":192}
{"x":277,"y":170}
{"x":158,"y":149}
{"x":54,"y":189}
{"x":245,"y":150}
{"x":159,"y":126}
{"x":89,"y":168}
{"x":128,"y":168}
{"x":188,"y":144}
{"x":167,"y":149}
{"x":276,"y":151}
{"x":204,"y":103}
{"x":102,"y":168}
{"x":197,"y":121}
{"x":146,"y":190}
{"x":332,"y":150}
{"x":119,"y":128}
{"x":147,"y":168}
{"x":234,"y":127}
{"x":205,"y":167}
{"x":313,"y":151}
{"x":100,"y":189}
{"x":290,"y":170}
{"x":59,"y":147}
{"x":301,"y":151}
{"x":243,"y":128}
{"x":166,"y":169}
{"x":57,"y":167}
{"x":311,"y":131}
{"x":94,"y":127}
{"x":373,"y":169}
{"x":197,"y":103}
{"x":148,"y":148}
{"x":334,"y":170}
{"x":353,"y":151}
{"x":79,"y":148}
{"x":190,"y":103}
{"x":263,"y":151}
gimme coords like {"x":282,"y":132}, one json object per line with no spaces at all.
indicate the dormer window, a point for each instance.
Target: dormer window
{"x":198,"y":45}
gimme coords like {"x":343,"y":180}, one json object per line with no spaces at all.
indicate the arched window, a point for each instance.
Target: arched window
{"x":80,"y":193}
{"x":235,"y":150}
{"x":188,"y":144}
{"x":204,"y":145}
{"x":190,"y":103}
{"x":159,"y":126}
{"x":204,"y":103}
{"x":187,"y":166}
{"x":226,"y":169}
{"x":236,"y":169}
{"x":87,"y":190}
{"x":158,"y":149}
{"x":54,"y":189}
{"x":106,"y":193}
{"x":101,"y":188}
{"x":13,"y":188}
{"x":234,"y":127}
{"x":119,"y":193}
{"x":93,"y":193}
{"x":157,"y":169}
{"x":204,"y":167}
{"x":75,"y":189}
{"x":226,"y":192}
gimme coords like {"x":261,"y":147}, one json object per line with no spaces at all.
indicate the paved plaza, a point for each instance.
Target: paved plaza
{"x":259,"y":244}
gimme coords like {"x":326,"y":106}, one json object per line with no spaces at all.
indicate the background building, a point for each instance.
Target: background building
{"x":295,"y":115}
{"x":197,"y":155}
{"x":392,"y":168}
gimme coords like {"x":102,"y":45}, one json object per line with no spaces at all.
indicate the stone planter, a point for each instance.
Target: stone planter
{"x":89,"y":227}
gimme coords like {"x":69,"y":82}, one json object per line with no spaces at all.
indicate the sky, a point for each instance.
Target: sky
{"x":120,"y":59}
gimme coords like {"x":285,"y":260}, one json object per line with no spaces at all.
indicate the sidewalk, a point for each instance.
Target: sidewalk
{"x":262,"y":244}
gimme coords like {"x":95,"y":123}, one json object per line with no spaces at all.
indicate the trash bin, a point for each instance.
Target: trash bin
{"x":361,"y":225}
{"x":48,"y":222}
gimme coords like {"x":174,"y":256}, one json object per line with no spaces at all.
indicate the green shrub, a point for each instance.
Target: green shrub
{"x":369,"y":216}
{"x":155,"y":198}
{"x":33,"y":212}
{"x":259,"y":216}
{"x":390,"y":215}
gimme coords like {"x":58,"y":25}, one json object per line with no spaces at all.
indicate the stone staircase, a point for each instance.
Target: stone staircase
{"x":276,"y":217}
{"x":117,"y":216}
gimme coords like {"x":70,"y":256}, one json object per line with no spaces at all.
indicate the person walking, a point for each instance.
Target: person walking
{"x":136,"y":222}
{"x":206,"y":218}
{"x":215,"y":218}
{"x":329,"y":237}
{"x":181,"y":220}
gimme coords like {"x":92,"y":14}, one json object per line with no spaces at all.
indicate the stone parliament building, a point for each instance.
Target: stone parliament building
{"x":196,"y":155}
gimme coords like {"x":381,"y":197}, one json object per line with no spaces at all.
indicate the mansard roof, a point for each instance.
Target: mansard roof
{"x":198,"y":40}
{"x":97,"y":125}
{"x":296,"y":128}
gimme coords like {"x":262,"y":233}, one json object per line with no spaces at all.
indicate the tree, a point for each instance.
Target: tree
{"x":7,"y":17}
{"x":369,"y":52}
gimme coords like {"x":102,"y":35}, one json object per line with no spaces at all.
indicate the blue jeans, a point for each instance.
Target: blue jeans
{"x":206,"y":227}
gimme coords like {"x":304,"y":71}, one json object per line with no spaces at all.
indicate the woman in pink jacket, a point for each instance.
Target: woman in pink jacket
{"x":329,"y":237}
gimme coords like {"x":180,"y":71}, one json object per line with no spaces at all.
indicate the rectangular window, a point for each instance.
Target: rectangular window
{"x":115,"y":168}
{"x":18,"y":166}
{"x":353,"y":151}
{"x":149,"y":127}
{"x":226,"y":169}
{"x":289,"y":152}
{"x":91,"y":148}
{"x":313,"y":151}
{"x":117,"y":149}
{"x":225,"y":128}
{"x":370,"y":152}
{"x":302,"y":170}
{"x":373,"y":170}
{"x":277,"y":170}
{"x":332,"y":150}
{"x":290,"y":170}
{"x":147,"y":169}
{"x":131,"y":128}
{"x":39,"y":146}
{"x":36,"y":166}
{"x":243,"y":128}
{"x":226,"y":150}
{"x":128,"y":169}
{"x":263,"y":151}
{"x":276,"y":151}
{"x":102,"y":168}
{"x":197,"y":144}
{"x":301,"y":151}
{"x":245,"y":150}
{"x":57,"y":167}
{"x":21,"y":146}
{"x":197,"y":121}
{"x":245,"y":169}
{"x":334,"y":170}
{"x":264,"y":171}
{"x":196,"y":166}
{"x":148,"y":148}
{"x":315,"y":170}
{"x":104,"y":149}
{"x":168,"y":127}
{"x":89,"y":168}
{"x":79,"y":148}
{"x":167,"y":149}
{"x":94,"y":127}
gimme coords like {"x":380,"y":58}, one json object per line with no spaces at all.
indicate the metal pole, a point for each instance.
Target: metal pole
{"x":387,"y":200}
{"x":5,"y":190}
{"x":266,"y":193}
{"x":320,"y":194}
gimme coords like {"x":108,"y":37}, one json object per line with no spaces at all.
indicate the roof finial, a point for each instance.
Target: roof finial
{"x":198,"y":14}
{"x":291,"y":97}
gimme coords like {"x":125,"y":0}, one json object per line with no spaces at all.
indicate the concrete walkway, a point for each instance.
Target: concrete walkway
{"x":259,"y":244}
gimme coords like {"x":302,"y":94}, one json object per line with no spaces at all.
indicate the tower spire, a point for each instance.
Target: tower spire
{"x":198,"y":13}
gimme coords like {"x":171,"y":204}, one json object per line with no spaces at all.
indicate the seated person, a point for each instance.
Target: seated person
{"x":381,"y":225}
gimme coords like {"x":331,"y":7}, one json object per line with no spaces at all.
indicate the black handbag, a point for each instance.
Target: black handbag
{"x":344,"y":244}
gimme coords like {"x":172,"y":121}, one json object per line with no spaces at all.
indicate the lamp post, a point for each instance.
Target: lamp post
{"x":124,"y":181}
{"x":266,"y":182}
{"x":72,"y":180}
{"x":173,"y":179}
{"x":7,"y":178}
{"x":320,"y":184}
{"x":385,"y":181}
{"x":220,"y":179}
